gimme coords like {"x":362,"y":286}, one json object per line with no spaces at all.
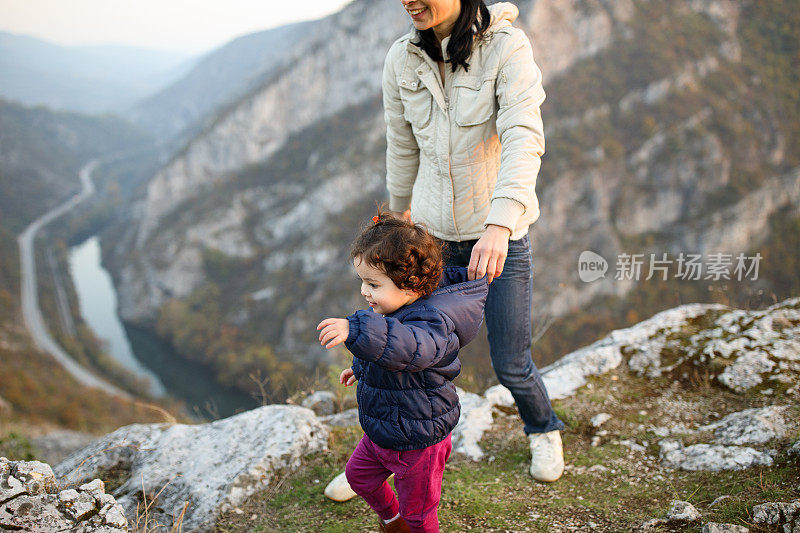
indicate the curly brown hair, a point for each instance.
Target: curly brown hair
{"x":406,"y":252}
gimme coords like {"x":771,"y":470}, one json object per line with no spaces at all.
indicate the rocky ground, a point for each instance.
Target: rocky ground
{"x":32,"y":500}
{"x":685,"y":422}
{"x":616,"y":478}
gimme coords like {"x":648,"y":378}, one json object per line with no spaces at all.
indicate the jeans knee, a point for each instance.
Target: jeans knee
{"x":513,"y":375}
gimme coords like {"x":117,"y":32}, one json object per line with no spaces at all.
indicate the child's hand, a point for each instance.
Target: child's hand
{"x":334,"y":331}
{"x":347,"y":377}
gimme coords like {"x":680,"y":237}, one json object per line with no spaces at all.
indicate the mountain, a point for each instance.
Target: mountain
{"x":671,"y":127}
{"x":41,"y":152}
{"x":218,"y":78}
{"x":88,"y":79}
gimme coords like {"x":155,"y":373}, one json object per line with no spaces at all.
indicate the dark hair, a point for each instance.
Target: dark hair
{"x":406,"y":252}
{"x":467,"y":28}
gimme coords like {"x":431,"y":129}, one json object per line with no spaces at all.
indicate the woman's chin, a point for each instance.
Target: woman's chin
{"x":421,"y":25}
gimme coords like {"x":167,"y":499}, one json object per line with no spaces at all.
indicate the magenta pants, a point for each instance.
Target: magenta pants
{"x":417,"y":478}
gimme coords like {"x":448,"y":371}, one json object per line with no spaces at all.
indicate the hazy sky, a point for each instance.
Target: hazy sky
{"x":182,"y":25}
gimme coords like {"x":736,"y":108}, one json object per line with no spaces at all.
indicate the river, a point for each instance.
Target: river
{"x":139,"y":350}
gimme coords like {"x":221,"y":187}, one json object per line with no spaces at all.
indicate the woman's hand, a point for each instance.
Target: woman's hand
{"x":347,"y":377}
{"x":405,"y":215}
{"x":489,"y":253}
{"x":334,"y":331}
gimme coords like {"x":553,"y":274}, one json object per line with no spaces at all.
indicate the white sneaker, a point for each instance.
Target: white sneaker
{"x":547,"y":456}
{"x":339,"y":489}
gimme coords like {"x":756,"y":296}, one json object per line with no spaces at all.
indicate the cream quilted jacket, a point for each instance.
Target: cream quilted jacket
{"x":444,"y":157}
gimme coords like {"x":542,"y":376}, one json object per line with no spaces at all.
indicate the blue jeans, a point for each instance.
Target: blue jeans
{"x":508,"y":320}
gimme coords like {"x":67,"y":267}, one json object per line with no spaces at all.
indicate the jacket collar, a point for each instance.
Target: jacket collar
{"x":501,"y":14}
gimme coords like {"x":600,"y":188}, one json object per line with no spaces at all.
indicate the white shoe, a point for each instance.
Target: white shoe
{"x":339,"y":489}
{"x":547,"y":456}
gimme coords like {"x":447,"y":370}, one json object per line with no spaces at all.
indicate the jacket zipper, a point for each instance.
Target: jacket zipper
{"x":449,"y":149}
{"x":443,"y":83}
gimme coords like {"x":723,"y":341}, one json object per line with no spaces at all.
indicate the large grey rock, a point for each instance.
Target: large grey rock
{"x":751,"y":426}
{"x":713,"y":457}
{"x":754,"y":346}
{"x":212,"y":466}
{"x":750,"y":347}
{"x":566,"y":375}
{"x":786,"y":514}
{"x":475,"y":419}
{"x":322,"y":402}
{"x":683,"y":512}
{"x":714,"y":527}
{"x":31,"y":501}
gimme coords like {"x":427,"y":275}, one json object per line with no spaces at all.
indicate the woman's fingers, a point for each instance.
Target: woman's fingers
{"x":473,"y":264}
{"x":483,"y":265}
{"x":477,"y":263}
{"x":496,"y":266}
{"x":488,"y":262}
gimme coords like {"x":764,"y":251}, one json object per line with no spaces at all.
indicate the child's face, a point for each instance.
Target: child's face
{"x":382,"y":295}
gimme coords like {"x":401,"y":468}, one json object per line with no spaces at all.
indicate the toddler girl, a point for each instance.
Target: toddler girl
{"x":405,"y":360}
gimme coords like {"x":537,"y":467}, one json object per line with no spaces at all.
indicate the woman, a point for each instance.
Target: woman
{"x":455,"y":89}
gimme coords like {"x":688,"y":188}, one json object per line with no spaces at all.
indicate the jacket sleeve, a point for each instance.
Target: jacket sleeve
{"x":519,"y":94}
{"x":417,"y":343}
{"x":402,"y":151}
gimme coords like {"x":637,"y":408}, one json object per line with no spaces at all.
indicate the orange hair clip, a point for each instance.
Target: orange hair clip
{"x":376,"y":218}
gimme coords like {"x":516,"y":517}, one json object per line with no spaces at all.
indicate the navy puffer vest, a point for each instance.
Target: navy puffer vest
{"x":406,"y":361}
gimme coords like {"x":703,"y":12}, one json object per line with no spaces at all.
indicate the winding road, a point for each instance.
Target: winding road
{"x":31,"y":312}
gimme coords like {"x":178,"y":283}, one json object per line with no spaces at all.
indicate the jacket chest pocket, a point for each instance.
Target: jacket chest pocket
{"x":474,"y":100}
{"x":417,"y":101}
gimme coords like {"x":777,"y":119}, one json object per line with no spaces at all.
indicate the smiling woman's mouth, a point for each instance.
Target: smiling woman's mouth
{"x":416,"y":13}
